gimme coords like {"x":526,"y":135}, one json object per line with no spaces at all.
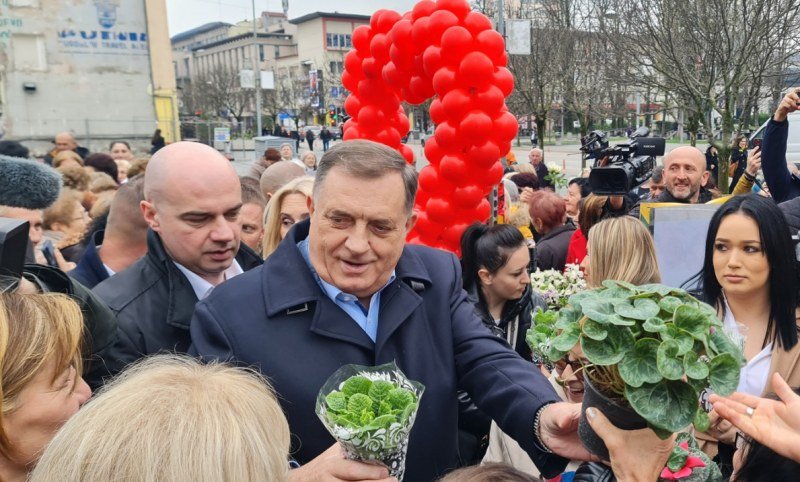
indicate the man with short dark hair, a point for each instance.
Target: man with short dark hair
{"x":343,"y":287}
{"x":192,"y":206}
{"x":121,"y":243}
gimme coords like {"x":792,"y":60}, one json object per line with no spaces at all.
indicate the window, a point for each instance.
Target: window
{"x":261,"y":55}
{"x":29,"y":52}
{"x":347,"y":41}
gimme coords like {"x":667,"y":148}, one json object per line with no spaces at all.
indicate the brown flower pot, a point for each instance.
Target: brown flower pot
{"x":622,"y":417}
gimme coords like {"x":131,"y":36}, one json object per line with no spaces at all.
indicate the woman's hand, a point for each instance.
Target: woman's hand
{"x":636,"y":455}
{"x":754,"y":161}
{"x":774,"y":423}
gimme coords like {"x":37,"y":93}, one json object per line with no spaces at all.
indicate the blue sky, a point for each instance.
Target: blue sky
{"x":187,"y":14}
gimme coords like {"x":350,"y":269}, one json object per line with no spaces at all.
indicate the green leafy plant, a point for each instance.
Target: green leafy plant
{"x":364,"y":405}
{"x":653,"y":347}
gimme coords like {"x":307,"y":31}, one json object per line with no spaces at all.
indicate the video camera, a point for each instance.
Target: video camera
{"x":620,"y":168}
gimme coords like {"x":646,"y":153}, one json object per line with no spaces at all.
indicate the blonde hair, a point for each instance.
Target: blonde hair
{"x":35,"y":330}
{"x":171,"y":418}
{"x":63,"y":210}
{"x":524,"y":167}
{"x":64,"y":156}
{"x":622,"y":249}
{"x":272,"y":214}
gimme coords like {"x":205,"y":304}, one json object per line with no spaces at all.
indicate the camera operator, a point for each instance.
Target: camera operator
{"x":684,"y":176}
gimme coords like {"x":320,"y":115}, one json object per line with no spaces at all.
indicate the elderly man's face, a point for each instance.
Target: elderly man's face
{"x":65,"y":143}
{"x":358,"y":230}
{"x":535,"y":156}
{"x":684,"y":173}
{"x":286,"y":152}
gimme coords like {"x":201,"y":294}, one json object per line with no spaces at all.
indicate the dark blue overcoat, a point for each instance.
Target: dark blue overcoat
{"x":277,"y":319}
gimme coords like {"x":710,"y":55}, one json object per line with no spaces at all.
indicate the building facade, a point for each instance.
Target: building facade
{"x":101,"y":69}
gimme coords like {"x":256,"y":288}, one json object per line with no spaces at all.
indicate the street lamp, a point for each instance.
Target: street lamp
{"x":257,"y":72}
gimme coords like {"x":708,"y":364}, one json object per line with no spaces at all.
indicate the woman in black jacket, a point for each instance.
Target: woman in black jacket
{"x":738,"y":160}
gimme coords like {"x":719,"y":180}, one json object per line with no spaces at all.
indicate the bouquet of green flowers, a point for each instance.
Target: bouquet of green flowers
{"x":370,"y":412}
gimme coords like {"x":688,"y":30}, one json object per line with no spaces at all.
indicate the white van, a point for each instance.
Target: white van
{"x":792,"y":142}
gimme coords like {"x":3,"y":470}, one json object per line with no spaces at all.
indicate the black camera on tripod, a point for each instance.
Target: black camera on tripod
{"x":620,"y":168}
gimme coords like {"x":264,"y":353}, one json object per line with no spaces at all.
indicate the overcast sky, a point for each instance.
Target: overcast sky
{"x":187,"y":14}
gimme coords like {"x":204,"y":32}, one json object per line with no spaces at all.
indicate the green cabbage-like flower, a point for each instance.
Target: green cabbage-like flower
{"x":355,"y":385}
{"x":359,"y":403}
{"x":336,"y":401}
{"x":400,"y":398}
{"x":380,"y":389}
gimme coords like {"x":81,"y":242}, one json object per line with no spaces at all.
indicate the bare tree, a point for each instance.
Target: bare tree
{"x":710,"y":54}
{"x":292,"y":93}
{"x":219,"y":89}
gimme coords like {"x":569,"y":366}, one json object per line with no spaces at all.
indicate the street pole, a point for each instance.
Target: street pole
{"x":257,"y":73}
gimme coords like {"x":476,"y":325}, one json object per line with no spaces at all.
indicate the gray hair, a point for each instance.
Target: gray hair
{"x":367,"y":160}
{"x":658,"y":174}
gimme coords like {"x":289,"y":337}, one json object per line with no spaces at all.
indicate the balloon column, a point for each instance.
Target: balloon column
{"x":440,"y":49}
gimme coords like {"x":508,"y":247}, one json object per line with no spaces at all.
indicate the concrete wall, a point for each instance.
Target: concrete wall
{"x":87,"y":67}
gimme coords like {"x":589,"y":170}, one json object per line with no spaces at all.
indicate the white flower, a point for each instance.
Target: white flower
{"x":553,"y":167}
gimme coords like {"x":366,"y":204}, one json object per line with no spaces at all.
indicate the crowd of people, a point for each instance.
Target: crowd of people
{"x":205,"y":310}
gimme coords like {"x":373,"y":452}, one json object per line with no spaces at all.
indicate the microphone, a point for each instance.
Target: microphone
{"x":27,"y":184}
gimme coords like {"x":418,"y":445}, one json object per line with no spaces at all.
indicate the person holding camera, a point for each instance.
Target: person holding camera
{"x":782,"y":184}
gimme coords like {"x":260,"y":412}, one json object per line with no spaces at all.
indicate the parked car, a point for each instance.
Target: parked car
{"x":792,"y":142}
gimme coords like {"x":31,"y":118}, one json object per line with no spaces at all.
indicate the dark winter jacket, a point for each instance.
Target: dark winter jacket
{"x":551,"y":249}
{"x":297,"y":337}
{"x":739,"y":157}
{"x":666,"y":197}
{"x":90,"y":270}
{"x":791,"y":211}
{"x":154,"y":303}
{"x":782,"y":184}
{"x":541,"y":173}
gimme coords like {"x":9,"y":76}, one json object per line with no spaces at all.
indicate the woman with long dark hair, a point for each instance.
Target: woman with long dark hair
{"x":750,"y":274}
{"x":494,"y":263}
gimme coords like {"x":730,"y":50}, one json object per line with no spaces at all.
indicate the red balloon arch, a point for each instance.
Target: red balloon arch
{"x":440,"y":49}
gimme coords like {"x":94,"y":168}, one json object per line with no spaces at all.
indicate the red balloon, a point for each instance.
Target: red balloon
{"x":429,"y":179}
{"x":439,"y":210}
{"x":407,"y":153}
{"x":483,"y":156}
{"x":454,"y":169}
{"x":423,"y":9}
{"x":491,"y":43}
{"x":475,"y":128}
{"x":476,"y":69}
{"x":502,"y":61}
{"x":388,"y":137}
{"x":456,"y":103}
{"x":352,"y":62}
{"x":421,"y":32}
{"x":432,"y":60}
{"x":505,"y":126}
{"x":490,"y":100}
{"x":456,"y":41}
{"x":468,"y":197}
{"x":459,"y":7}
{"x":483,"y":211}
{"x":503,"y":79}
{"x":387,"y":20}
{"x":447,"y":137}
{"x":421,"y":87}
{"x":352,"y":105}
{"x":494,"y":175}
{"x":402,"y":123}
{"x":476,"y":22}
{"x":433,"y":153}
{"x":379,"y":48}
{"x":400,"y":35}
{"x":452,"y":235}
{"x":395,"y":77}
{"x":360,"y":37}
{"x":437,"y":111}
{"x":440,"y":21}
{"x":444,"y":80}
{"x":369,"y":116}
{"x":350,"y":81}
{"x":352,"y":133}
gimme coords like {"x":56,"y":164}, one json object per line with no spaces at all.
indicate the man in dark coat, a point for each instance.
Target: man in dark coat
{"x":536,"y":156}
{"x":344,"y":288}
{"x":192,"y":203}
{"x":121,"y":243}
{"x":684,"y":177}
{"x":65,"y":141}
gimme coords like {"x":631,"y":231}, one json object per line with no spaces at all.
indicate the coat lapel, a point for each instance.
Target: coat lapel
{"x":401,"y":299}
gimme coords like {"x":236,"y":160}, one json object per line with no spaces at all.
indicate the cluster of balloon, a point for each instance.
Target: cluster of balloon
{"x":445,"y":51}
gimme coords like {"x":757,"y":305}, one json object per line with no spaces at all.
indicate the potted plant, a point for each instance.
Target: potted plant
{"x":651,"y":351}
